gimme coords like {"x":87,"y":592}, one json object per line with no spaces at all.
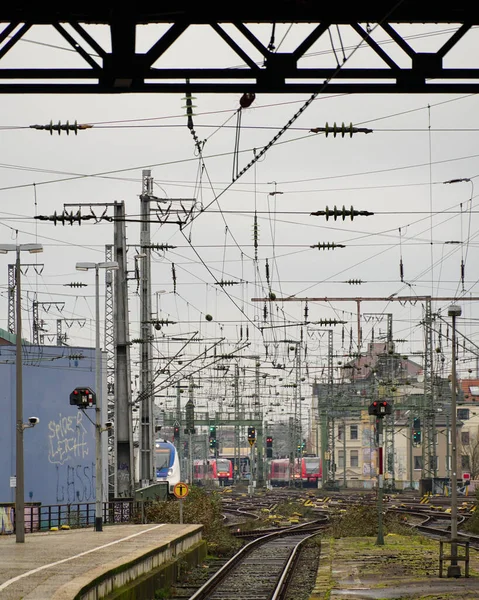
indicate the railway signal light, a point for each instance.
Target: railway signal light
{"x":212,"y":437}
{"x":416,"y":431}
{"x":251,"y":435}
{"x":83,"y":397}
{"x":176,"y":432}
{"x":269,"y":447}
{"x":380,"y":408}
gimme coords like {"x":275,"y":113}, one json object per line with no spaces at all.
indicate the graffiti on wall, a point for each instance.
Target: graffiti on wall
{"x":6,"y":519}
{"x":67,"y":437}
{"x":67,"y":449}
{"x":75,"y":483}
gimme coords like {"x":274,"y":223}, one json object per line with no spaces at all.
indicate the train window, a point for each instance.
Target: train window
{"x":162,"y":458}
{"x":311,"y":465}
{"x":223,"y":464}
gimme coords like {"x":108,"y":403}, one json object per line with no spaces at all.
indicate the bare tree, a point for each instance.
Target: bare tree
{"x":470,"y":455}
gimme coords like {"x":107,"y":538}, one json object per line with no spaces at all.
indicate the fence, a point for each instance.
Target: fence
{"x":73,"y":516}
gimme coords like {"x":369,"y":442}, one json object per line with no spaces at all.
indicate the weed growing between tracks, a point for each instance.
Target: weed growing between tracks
{"x":203,"y":507}
{"x":362,"y":521}
{"x":472,"y":523}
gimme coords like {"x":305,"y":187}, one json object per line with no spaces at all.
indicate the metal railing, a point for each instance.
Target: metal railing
{"x":78,"y":515}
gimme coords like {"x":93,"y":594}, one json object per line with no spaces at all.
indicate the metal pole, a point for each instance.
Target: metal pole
{"x":190,"y":457}
{"x":411,"y":473}
{"x":454,"y":570}
{"x":380,"y":537}
{"x":20,"y":484}
{"x":344,"y":453}
{"x":99,"y":479}
{"x":179,"y":443}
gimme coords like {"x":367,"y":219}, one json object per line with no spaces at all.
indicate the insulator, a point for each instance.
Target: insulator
{"x":342,"y":336}
{"x":329,"y":322}
{"x":255,"y":236}
{"x":306,"y":312}
{"x":189,"y":109}
{"x":354,"y":281}
{"x":62,"y":127}
{"x":341,"y":212}
{"x":75,"y":284}
{"x":247,"y":100}
{"x":463,"y":269}
{"x":160,"y":247}
{"x":226,"y":282}
{"x":401,"y":270}
{"x":173,"y":274}
{"x":265,"y":312}
{"x":247,"y":332}
{"x":267,"y":271}
{"x":327,"y":246}
{"x":342,"y":129}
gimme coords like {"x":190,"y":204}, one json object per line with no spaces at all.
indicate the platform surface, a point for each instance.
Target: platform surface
{"x":51,"y":564}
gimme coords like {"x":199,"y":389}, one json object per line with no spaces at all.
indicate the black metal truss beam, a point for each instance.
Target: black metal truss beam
{"x":121,"y":69}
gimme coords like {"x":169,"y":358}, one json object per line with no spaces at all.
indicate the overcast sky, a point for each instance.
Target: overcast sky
{"x":398,"y":172}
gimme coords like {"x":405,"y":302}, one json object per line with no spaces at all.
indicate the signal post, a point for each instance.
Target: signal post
{"x":380,"y":409}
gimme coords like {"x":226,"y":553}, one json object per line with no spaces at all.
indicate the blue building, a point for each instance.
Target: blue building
{"x":59,"y":452}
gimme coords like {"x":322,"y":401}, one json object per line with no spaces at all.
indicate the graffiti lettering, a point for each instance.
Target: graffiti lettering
{"x":67,"y":439}
{"x":75,"y":483}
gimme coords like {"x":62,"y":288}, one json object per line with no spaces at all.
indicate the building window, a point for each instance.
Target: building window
{"x":341,"y":459}
{"x":353,"y":432}
{"x":418,"y":463}
{"x":465,"y":463}
{"x":463,"y":414}
{"x":474,"y":390}
{"x":354,"y":458}
{"x":340,"y":432}
{"x":464,"y":438}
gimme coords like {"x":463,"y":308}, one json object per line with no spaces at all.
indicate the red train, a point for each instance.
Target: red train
{"x":219,"y":470}
{"x":305,"y":471}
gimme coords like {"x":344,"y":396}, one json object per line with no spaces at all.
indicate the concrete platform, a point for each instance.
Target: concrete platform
{"x":405,"y":567}
{"x":84,"y":564}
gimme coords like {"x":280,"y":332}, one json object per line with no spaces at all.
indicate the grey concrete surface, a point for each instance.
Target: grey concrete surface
{"x":55,"y":564}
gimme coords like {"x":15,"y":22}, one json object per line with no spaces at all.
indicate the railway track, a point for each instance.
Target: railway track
{"x":261,"y":569}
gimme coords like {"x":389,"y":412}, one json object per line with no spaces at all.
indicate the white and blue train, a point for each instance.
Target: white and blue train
{"x":167,"y":464}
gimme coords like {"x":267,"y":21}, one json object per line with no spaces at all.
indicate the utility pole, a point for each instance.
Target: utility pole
{"x":180,"y":440}
{"x":259,"y":432}
{"x":429,"y":459}
{"x":237,"y":473}
{"x":146,"y":403}
{"x":120,"y":379}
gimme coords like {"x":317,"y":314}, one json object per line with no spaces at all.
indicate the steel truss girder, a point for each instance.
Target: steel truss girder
{"x":122,"y":69}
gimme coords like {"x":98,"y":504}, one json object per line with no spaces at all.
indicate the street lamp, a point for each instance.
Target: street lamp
{"x":20,"y":476}
{"x":454,"y":570}
{"x":85,"y":266}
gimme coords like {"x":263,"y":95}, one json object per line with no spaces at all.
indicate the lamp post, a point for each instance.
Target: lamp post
{"x":454,"y":570}
{"x":85,"y":266}
{"x":19,"y":460}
